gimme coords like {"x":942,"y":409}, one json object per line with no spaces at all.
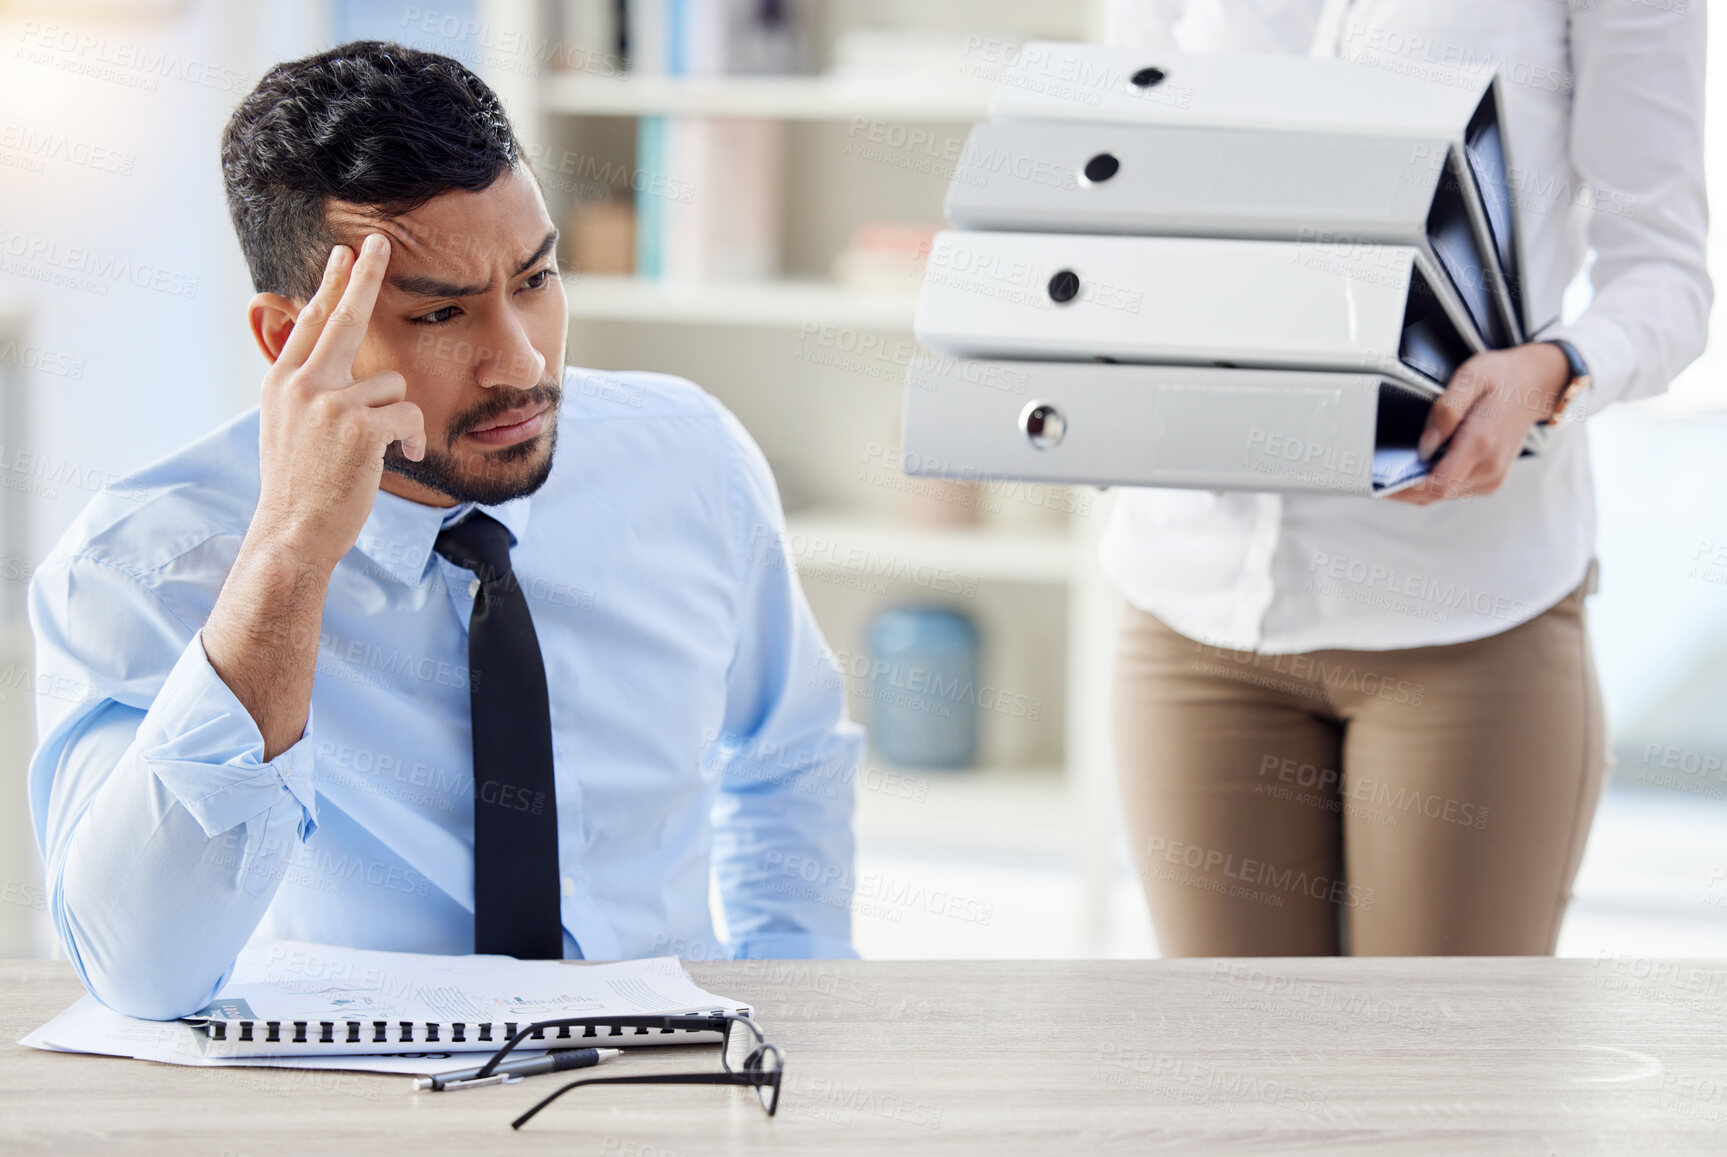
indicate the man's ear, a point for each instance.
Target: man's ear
{"x":272,"y":319}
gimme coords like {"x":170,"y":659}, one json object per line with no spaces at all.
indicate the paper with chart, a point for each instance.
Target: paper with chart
{"x":292,"y":981}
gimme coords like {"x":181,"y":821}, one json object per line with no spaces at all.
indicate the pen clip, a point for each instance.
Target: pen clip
{"x":476,"y":1082}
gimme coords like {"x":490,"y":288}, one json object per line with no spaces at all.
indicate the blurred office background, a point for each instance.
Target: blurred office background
{"x":745,"y":202}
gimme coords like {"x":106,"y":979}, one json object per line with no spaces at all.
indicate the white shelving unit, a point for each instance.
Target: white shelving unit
{"x":777,"y":98}
{"x":1042,"y":596}
{"x":608,"y":297}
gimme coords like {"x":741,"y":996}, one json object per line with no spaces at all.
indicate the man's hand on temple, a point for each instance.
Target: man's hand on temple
{"x":322,"y":431}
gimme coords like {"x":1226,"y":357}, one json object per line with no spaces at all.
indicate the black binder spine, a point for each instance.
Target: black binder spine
{"x":381,"y":1032}
{"x":359,"y":1031}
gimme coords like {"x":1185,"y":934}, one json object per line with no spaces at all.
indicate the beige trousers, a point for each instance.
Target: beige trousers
{"x":1431,"y":801}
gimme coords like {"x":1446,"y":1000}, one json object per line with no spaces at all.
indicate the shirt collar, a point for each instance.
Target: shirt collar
{"x":399,"y":533}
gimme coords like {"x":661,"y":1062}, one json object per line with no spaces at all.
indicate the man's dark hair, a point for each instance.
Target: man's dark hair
{"x":371,"y":123}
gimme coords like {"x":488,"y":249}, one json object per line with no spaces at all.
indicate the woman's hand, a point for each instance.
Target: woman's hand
{"x":1486,"y":413}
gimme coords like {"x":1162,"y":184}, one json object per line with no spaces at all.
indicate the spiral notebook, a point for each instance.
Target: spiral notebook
{"x":301,"y":999}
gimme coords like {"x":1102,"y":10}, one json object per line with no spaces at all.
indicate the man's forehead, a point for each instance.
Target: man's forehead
{"x":433,"y":245}
{"x":453,"y":231}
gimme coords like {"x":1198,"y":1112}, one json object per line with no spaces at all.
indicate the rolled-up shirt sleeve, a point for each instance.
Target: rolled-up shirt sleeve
{"x":788,"y":756}
{"x":1637,"y":141}
{"x":163,"y":830}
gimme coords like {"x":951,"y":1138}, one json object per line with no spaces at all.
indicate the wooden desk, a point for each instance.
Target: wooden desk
{"x":1318,"y":1056}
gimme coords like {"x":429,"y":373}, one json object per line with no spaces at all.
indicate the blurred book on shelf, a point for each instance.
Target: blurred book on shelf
{"x":592,"y":37}
{"x":940,"y":502}
{"x":885,"y":257}
{"x":710,"y":206}
{"x":741,"y":37}
{"x":725,"y":223}
{"x":600,"y":236}
{"x":646,"y":40}
{"x":947,"y":503}
{"x":701,"y":37}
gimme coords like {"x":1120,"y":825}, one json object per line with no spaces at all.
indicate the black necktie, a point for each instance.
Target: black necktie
{"x":516,"y":894}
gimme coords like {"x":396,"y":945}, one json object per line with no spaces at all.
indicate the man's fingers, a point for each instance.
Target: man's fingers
{"x":379,"y":389}
{"x":304,"y":336}
{"x":346,"y":326}
{"x":401,"y":422}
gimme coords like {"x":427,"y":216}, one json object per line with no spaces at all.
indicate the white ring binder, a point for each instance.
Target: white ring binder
{"x":1211,"y":271}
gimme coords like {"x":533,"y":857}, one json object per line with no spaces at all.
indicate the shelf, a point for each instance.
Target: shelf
{"x":793,"y":304}
{"x":806,"y":98}
{"x":961,"y":553}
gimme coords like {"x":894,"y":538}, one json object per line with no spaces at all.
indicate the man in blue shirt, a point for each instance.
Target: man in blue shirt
{"x":370,"y":665}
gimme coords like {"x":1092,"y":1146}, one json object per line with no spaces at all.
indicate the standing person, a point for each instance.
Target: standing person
{"x":1374,"y":727}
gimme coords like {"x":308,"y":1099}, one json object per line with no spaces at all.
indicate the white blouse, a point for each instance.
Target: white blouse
{"x":1605,"y":127}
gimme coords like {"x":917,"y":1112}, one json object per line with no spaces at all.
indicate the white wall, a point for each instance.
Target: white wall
{"x":114,"y":241}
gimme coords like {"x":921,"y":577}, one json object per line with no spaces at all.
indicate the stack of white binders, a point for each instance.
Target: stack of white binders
{"x":1219,"y":272}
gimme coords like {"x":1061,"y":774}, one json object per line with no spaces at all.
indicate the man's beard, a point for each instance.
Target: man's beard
{"x":487,"y":477}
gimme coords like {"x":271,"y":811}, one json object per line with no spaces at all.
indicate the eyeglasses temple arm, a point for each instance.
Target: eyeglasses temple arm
{"x":662,"y":1079}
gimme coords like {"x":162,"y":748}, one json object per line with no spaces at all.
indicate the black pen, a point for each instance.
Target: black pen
{"x":510,"y":1071}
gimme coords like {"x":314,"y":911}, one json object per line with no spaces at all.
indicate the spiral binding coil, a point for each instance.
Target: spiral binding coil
{"x":355,"y":1031}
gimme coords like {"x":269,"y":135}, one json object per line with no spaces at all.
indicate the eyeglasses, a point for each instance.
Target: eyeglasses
{"x":746,"y":1055}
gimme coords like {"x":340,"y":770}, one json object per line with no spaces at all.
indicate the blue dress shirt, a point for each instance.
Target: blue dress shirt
{"x":699,"y":735}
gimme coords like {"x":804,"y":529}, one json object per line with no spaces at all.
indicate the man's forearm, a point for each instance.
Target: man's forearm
{"x":262,"y":636}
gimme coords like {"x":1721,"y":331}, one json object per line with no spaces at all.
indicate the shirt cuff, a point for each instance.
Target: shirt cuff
{"x":199,"y":740}
{"x":794,"y":946}
{"x":1606,"y":350}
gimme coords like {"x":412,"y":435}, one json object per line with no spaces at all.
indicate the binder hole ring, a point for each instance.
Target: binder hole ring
{"x":1064,"y":286}
{"x":1149,"y":77}
{"x":1043,"y":424}
{"x":1101,"y":168}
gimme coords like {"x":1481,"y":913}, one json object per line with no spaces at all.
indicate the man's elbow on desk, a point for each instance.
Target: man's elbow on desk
{"x":152,"y":981}
{"x":150,"y":998}
{"x":151,"y":984}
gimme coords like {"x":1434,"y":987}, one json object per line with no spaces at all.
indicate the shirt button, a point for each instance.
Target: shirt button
{"x":473,"y":588}
{"x":569,"y":886}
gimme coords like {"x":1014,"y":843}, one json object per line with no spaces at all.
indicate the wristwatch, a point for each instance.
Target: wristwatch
{"x":1580,"y":380}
